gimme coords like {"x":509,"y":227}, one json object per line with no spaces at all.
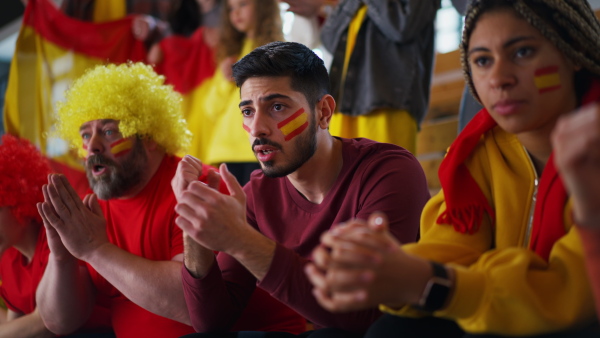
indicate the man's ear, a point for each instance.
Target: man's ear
{"x":150,"y":144}
{"x":325,"y":109}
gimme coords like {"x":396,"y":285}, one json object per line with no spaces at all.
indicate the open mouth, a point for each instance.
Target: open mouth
{"x":265,"y":152}
{"x":98,"y":169}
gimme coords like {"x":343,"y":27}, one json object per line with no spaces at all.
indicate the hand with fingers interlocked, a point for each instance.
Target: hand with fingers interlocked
{"x":75,"y":225}
{"x":360,"y":265}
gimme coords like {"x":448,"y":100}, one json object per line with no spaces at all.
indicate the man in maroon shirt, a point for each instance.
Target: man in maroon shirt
{"x":128,"y":124}
{"x":309,"y":181}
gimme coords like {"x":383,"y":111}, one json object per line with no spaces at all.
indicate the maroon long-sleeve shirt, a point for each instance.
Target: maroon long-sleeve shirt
{"x":374,"y":177}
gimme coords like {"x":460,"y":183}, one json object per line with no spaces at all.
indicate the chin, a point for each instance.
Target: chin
{"x":272,"y":171}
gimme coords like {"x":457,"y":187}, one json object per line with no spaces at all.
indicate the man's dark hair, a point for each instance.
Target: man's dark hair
{"x":276,"y":59}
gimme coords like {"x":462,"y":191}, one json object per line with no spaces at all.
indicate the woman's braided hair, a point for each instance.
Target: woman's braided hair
{"x":569,"y":24}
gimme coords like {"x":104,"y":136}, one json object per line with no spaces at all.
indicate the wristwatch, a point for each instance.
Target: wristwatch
{"x":436,"y":291}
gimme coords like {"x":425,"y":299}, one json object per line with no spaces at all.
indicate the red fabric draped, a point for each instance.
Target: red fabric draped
{"x":466,"y":203}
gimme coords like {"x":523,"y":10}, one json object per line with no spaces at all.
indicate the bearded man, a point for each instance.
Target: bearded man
{"x":128,"y":124}
{"x":309,"y":181}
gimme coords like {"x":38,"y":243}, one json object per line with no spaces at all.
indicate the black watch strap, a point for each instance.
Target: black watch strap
{"x":436,"y":291}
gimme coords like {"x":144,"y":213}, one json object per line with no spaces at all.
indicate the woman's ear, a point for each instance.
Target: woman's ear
{"x":576,"y":66}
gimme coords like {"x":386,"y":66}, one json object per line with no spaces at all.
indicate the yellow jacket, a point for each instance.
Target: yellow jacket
{"x":229,"y":141}
{"x":501,"y":286}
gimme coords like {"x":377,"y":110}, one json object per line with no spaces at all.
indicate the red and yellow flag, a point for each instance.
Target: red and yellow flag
{"x":547,"y":79}
{"x":294,"y":125}
{"x":52,"y":50}
{"x":189,"y":65}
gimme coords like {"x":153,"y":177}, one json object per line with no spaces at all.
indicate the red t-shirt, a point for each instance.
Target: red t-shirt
{"x":20,"y":281}
{"x":145,"y":226}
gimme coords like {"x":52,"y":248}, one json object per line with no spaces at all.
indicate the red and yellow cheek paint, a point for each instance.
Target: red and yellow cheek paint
{"x":294,"y":125}
{"x":246,"y":128}
{"x":547,"y":79}
{"x":121,"y":147}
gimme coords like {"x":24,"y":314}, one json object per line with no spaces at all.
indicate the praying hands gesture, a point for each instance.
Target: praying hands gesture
{"x":73,"y":226}
{"x":360,"y":265}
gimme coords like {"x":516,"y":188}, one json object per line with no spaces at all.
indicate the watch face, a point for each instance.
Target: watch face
{"x":437,"y":290}
{"x":438,"y":294}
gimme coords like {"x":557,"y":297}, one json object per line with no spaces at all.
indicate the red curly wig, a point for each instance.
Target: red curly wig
{"x":23,"y":171}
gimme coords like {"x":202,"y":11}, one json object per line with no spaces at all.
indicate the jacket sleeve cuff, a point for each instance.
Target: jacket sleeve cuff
{"x":469,"y":287}
{"x":466,"y":298}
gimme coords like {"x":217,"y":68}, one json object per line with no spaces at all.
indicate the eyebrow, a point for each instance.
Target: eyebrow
{"x":505,"y":45}
{"x":266,"y":99}
{"x":103,"y":121}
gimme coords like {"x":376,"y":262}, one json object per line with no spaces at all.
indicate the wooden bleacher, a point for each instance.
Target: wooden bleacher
{"x":440,"y":127}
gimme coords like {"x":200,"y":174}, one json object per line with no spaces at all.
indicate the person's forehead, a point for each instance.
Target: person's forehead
{"x":500,"y":25}
{"x":98,"y":123}
{"x":256,"y":88}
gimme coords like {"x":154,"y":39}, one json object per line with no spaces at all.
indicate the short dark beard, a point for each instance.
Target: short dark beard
{"x":122,"y":177}
{"x":306,"y":145}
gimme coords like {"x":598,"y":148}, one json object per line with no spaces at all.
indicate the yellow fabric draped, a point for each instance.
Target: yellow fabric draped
{"x":109,"y":10}
{"x":228,"y":140}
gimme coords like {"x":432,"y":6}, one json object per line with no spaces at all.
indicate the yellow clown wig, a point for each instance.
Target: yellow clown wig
{"x":132,"y":94}
{"x":23,"y":172}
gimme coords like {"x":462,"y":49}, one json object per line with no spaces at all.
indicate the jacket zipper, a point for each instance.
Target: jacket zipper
{"x":533,"y":202}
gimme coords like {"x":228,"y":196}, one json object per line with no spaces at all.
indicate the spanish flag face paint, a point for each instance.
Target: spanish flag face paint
{"x":121,"y":147}
{"x":547,"y":79}
{"x":246,"y":128}
{"x":294,"y":125}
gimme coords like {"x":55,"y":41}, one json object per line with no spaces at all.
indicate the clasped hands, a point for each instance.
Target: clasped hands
{"x":360,"y":265}
{"x":212,"y":219}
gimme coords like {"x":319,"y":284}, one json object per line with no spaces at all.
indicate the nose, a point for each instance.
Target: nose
{"x":95,"y":144}
{"x":259,"y":126}
{"x":502,"y":75}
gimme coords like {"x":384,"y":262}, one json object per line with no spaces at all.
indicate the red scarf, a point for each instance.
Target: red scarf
{"x":466,"y":203}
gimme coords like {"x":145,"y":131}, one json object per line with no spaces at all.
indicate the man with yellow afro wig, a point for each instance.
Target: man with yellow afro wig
{"x":127,"y":124}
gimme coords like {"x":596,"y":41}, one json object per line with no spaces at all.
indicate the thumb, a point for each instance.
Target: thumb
{"x":94,"y":206}
{"x":234,"y":187}
{"x":213,"y":179}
